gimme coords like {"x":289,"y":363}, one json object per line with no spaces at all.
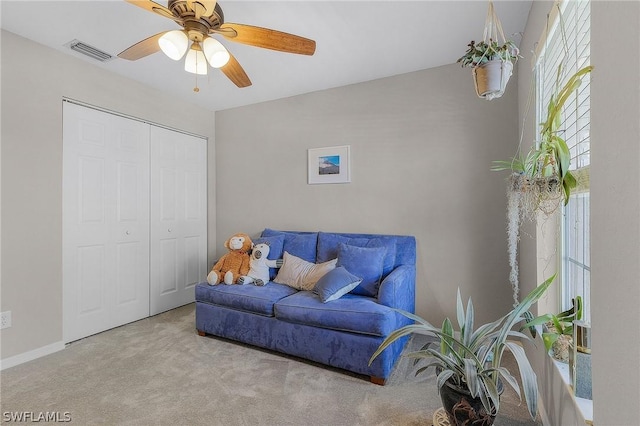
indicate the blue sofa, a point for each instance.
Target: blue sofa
{"x":341,"y":333}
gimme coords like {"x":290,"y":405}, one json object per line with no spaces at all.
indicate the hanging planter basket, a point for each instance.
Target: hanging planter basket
{"x":537,"y":194}
{"x":492,"y":59}
{"x":491,"y":78}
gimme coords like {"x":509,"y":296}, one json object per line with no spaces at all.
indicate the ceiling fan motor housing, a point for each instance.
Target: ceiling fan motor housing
{"x":181,"y":9}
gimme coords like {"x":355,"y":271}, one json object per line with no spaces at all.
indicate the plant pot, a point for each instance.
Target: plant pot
{"x":462,"y":409}
{"x":561,"y":348}
{"x":491,"y":78}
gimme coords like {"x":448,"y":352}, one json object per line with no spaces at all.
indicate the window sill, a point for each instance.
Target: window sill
{"x":585,"y":406}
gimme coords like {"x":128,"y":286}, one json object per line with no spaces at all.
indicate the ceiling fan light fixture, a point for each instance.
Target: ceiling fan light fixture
{"x":174,"y":44}
{"x":196,"y":63}
{"x":215,"y":52}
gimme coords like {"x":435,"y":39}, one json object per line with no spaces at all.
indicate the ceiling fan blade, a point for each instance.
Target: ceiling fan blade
{"x":152,"y":6}
{"x":202,"y":7}
{"x":267,"y":38}
{"x":234,"y":71}
{"x":143,"y":48}
{"x":209,"y":5}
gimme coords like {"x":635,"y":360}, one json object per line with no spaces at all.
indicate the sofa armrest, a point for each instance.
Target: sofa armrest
{"x":398,"y":289}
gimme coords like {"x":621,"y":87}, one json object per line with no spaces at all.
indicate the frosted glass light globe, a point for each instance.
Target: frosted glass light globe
{"x":215,"y":52}
{"x":196,"y":63}
{"x":174,"y":44}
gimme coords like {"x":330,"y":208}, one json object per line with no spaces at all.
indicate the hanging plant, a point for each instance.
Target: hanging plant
{"x":484,"y":52}
{"x":492,"y":60}
{"x":542,"y":177}
{"x":541,"y":180}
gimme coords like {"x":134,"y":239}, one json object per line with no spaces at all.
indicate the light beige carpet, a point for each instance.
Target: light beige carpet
{"x":158,"y":371}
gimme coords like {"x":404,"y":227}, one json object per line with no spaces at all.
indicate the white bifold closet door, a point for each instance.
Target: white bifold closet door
{"x":105,"y":221}
{"x":178,"y":218}
{"x":134,"y":220}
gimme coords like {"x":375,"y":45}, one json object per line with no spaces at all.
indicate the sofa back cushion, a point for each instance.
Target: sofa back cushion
{"x":320,"y":247}
{"x":299,"y":244}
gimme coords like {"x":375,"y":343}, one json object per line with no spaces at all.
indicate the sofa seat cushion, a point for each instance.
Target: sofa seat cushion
{"x":352,"y":313}
{"x":247,"y":298}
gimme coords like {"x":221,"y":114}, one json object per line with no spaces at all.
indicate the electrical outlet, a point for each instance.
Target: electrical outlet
{"x":5,"y":319}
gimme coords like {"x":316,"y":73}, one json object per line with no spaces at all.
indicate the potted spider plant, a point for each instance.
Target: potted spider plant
{"x":468,"y":361}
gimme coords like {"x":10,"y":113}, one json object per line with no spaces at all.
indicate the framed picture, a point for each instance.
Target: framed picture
{"x":330,"y":165}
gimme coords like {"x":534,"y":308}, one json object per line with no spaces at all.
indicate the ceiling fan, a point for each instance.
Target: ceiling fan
{"x":199,"y":19}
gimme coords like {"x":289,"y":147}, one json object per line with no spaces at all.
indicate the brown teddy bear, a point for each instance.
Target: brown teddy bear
{"x":233,"y":264}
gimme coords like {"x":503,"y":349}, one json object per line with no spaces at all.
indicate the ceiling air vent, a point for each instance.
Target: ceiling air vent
{"x":89,"y":51}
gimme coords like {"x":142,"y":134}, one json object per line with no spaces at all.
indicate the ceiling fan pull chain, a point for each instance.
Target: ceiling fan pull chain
{"x":196,"y":89}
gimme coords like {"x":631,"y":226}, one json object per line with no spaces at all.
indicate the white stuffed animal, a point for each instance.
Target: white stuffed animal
{"x":259,"y":266}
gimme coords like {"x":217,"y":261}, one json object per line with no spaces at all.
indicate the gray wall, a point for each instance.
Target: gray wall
{"x":615,"y":211}
{"x":615,"y":225}
{"x":34,"y":81}
{"x":421,"y":146}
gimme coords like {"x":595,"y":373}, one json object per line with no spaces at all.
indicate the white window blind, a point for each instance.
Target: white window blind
{"x":567,"y":45}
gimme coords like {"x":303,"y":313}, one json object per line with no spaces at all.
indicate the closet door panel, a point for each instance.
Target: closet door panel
{"x":168,"y":264}
{"x":105,"y":221}
{"x":178,"y":218}
{"x":131,"y":218}
{"x":92,"y":299}
{"x":195,"y":213}
{"x":91,"y":191}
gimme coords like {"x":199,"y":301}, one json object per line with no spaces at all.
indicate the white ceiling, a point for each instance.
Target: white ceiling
{"x":356,"y":41}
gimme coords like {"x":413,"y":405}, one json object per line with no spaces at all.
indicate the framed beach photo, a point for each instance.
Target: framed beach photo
{"x":329,"y":165}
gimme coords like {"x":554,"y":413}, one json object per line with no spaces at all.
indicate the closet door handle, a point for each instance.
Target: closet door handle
{"x":169,"y":230}
{"x":127,"y":232}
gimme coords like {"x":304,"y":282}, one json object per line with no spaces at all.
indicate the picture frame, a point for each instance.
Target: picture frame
{"x":329,"y":165}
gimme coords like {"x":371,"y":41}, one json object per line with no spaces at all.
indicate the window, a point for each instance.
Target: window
{"x":568,"y":44}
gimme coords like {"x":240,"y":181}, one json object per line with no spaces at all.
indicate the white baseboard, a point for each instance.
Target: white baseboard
{"x":12,"y":361}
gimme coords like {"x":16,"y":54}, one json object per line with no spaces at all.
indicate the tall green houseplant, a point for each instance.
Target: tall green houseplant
{"x":470,"y":359}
